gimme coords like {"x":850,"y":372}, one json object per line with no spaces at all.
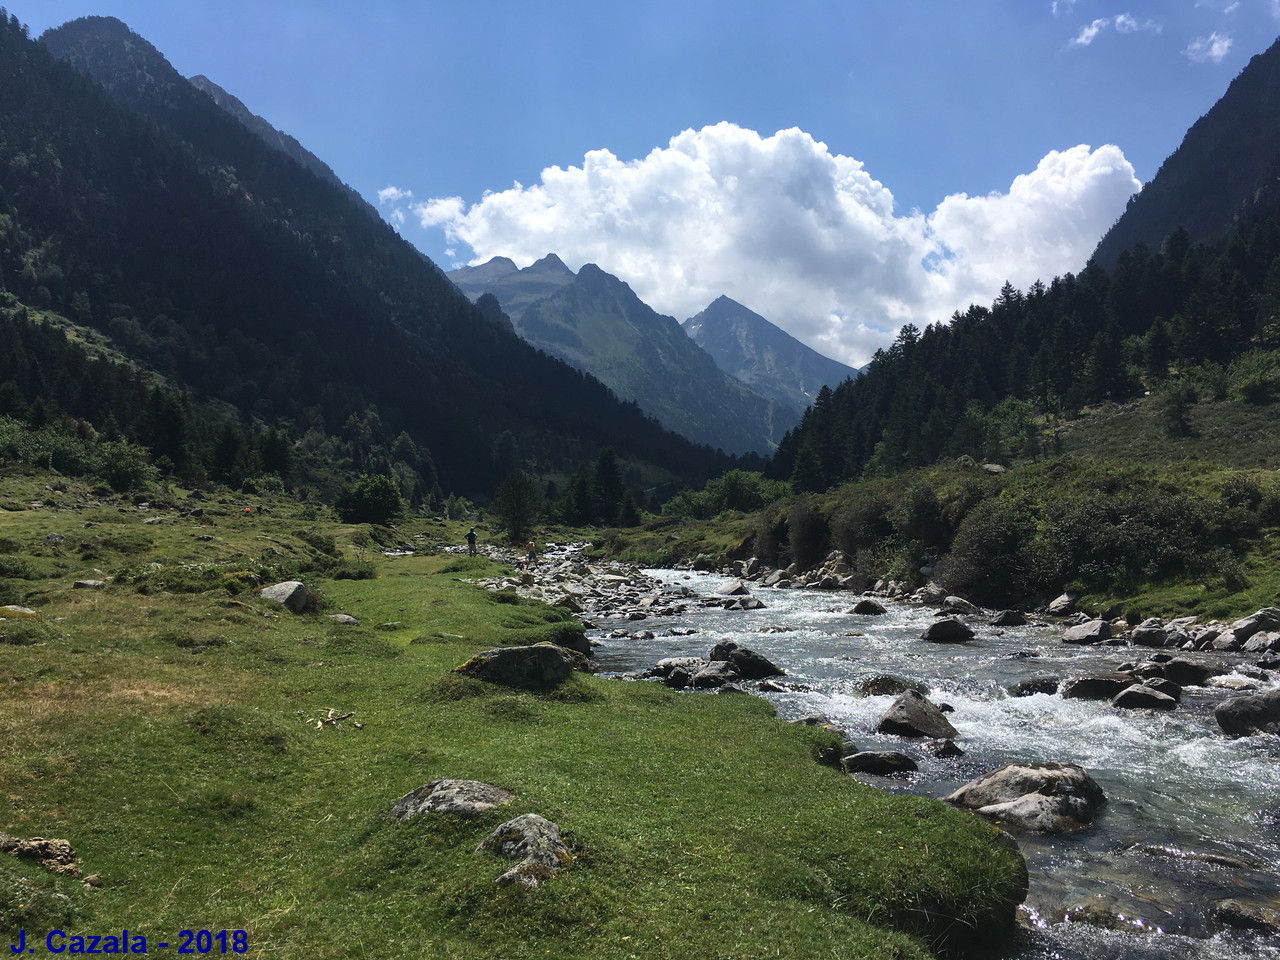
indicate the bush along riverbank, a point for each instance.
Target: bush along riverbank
{"x":219,"y":760}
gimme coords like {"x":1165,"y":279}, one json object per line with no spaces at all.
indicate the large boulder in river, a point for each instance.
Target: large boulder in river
{"x":1268,"y":618}
{"x":733,"y":588}
{"x":947,"y":630}
{"x":1188,"y":673}
{"x":751,"y":665}
{"x":868,"y":608}
{"x":717,"y":673}
{"x":462,"y":798}
{"x":914,"y":715}
{"x":1092,"y":631}
{"x":538,"y":665}
{"x":1008,"y":618}
{"x":1042,"y":797}
{"x":1246,"y":716}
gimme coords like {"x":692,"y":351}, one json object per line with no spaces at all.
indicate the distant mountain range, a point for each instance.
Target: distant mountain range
{"x":595,"y":322}
{"x":763,"y":356}
{"x":1225,"y":171}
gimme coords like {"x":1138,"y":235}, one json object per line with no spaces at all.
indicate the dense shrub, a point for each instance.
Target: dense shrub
{"x":807,"y":533}
{"x":990,"y":558}
{"x":372,"y":498}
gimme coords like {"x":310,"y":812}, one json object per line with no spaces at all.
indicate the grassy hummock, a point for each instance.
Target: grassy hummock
{"x":176,"y":735}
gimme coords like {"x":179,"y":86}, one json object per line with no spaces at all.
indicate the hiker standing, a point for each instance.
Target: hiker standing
{"x":471,"y":542}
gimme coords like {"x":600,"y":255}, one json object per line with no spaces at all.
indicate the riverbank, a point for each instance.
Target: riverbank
{"x":218,"y":762}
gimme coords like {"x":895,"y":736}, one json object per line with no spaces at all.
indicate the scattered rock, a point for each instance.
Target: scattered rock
{"x":534,"y":839}
{"x":1008,"y":618}
{"x":1188,"y":673}
{"x":1034,"y":685}
{"x":944,"y":749}
{"x":538,"y":665}
{"x":14,"y":612}
{"x":345,"y":619}
{"x":1101,"y":687}
{"x":1167,"y":687}
{"x":869,"y":608}
{"x":462,"y":798}
{"x":1246,"y":716}
{"x":88,"y":585}
{"x":913,"y":715}
{"x":1064,"y":604}
{"x":54,"y":855}
{"x":1042,"y":797}
{"x":734,"y":588}
{"x":1093,"y":631}
{"x":1141,"y":697}
{"x":715,"y":674}
{"x":948,"y":630}
{"x":751,"y":665}
{"x":881,"y":763}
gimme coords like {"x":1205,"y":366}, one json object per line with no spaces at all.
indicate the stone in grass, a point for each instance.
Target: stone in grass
{"x":88,"y":585}
{"x":344,"y":619}
{"x":537,"y":665}
{"x":291,"y":594}
{"x":536,"y":841}
{"x":913,"y":715}
{"x":1040,"y":797}
{"x":463,"y":798}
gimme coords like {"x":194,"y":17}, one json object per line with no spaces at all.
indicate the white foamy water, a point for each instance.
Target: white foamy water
{"x":1192,"y":816}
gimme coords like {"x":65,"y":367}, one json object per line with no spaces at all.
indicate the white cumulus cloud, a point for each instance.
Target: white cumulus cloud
{"x":803,"y":236}
{"x":1127,"y":23}
{"x":1210,"y":49}
{"x":391,"y":194}
{"x":1089,"y":33}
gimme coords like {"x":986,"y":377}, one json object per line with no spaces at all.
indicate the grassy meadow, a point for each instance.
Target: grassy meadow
{"x":167,"y":725}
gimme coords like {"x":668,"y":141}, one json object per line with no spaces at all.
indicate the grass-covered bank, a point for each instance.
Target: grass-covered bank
{"x":168,"y":730}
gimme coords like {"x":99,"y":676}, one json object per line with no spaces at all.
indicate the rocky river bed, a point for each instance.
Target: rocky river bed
{"x":1183,"y":859}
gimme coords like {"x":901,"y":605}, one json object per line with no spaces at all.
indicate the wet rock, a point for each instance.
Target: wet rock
{"x":869,"y":608}
{"x":944,"y":749}
{"x":734,"y":588}
{"x":913,"y":715}
{"x":665,"y":666}
{"x":1167,"y":687}
{"x":1008,"y":618}
{"x":1242,"y":915}
{"x":715,"y":674}
{"x":1042,"y":797}
{"x":462,"y":798}
{"x":1034,"y":685}
{"x":948,"y":630}
{"x":1188,"y":673}
{"x":880,"y":763}
{"x":750,"y":665}
{"x":1246,"y":716}
{"x":884,"y":685}
{"x":1092,"y":631}
{"x":536,"y":841}
{"x":538,"y":665}
{"x":1101,"y":687}
{"x":1268,"y":618}
{"x":1141,"y":697}
{"x":291,"y":594}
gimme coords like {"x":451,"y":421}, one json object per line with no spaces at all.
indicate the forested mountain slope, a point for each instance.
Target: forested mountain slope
{"x":1226,"y":169}
{"x":244,"y":278}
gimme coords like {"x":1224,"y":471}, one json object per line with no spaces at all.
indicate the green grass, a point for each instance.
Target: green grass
{"x":172,"y":738}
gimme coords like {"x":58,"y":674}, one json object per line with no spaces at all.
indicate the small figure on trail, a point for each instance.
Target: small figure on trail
{"x":532,"y":547}
{"x":471,"y":542}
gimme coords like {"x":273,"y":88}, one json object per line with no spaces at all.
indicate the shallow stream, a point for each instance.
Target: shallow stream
{"x":1192,"y":816}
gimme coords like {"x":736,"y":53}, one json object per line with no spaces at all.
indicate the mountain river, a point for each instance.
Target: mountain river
{"x":1192,"y":815}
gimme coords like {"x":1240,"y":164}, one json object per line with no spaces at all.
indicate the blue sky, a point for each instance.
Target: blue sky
{"x":929,"y":151}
